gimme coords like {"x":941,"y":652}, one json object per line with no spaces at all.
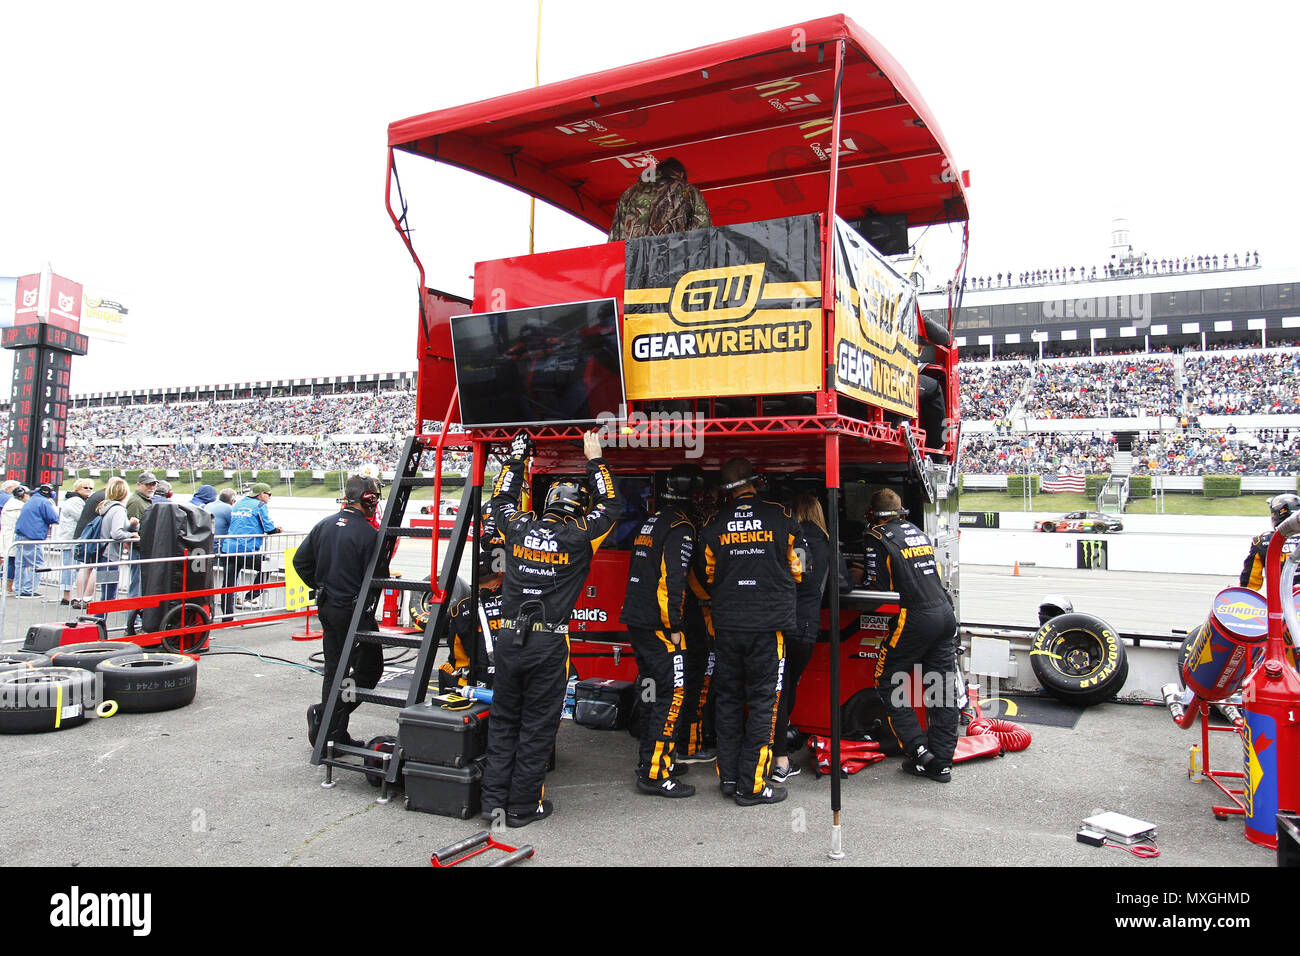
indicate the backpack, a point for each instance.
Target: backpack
{"x":89,"y":553}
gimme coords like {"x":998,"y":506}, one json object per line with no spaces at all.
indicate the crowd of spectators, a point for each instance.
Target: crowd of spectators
{"x":1266,"y":383}
{"x":1124,"y":389}
{"x":990,"y":391}
{"x":1176,"y":452}
{"x":1040,"y":453}
{"x":389,"y":413}
{"x":1130,"y":266}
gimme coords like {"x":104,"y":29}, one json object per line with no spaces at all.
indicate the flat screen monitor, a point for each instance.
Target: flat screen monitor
{"x":550,"y":365}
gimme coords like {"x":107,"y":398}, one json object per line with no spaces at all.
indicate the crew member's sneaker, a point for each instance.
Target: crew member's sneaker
{"x":728,"y":788}
{"x":782,"y":774}
{"x":678,"y":769}
{"x":516,"y":819}
{"x":665,"y":788}
{"x":932,"y":772}
{"x":700,"y":756}
{"x":313,"y":723}
{"x":766,"y":795}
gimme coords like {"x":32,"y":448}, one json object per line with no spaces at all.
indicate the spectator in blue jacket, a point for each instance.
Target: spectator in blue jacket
{"x":204,"y":496}
{"x":250,"y":522}
{"x":34,"y":523}
{"x":220,"y":511}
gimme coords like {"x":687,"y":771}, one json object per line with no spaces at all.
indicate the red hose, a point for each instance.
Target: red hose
{"x":1013,"y":736}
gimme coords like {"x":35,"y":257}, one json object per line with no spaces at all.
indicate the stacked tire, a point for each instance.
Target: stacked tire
{"x":61,"y":689}
{"x":143,"y":683}
{"x":37,"y":699}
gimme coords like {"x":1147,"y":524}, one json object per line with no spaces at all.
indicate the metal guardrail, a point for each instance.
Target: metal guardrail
{"x":54,"y":575}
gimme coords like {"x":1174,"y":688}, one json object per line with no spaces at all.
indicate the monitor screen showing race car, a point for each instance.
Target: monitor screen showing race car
{"x":551,"y":365}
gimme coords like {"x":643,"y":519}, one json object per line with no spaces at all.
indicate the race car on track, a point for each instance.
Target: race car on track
{"x":1091,"y":522}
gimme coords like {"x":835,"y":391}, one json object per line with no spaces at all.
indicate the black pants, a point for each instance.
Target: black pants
{"x":527,"y":698}
{"x":695,"y":729}
{"x":662,"y":667}
{"x":747,"y":675}
{"x":242,"y":561}
{"x":229,"y":578}
{"x":797,"y":655}
{"x":367,"y":661}
{"x":923,"y":636}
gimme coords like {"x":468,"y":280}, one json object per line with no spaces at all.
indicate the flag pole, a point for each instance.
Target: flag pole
{"x":537,"y":81}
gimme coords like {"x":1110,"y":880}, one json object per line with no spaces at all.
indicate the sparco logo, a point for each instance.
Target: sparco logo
{"x":589,"y":614}
{"x":716,"y":296}
{"x":75,"y":909}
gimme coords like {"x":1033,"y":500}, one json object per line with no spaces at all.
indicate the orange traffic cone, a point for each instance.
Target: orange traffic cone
{"x":1015,"y":569}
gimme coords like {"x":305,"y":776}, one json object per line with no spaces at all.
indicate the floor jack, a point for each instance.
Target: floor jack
{"x":480,"y":842}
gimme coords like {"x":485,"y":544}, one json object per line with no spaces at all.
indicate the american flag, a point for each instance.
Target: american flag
{"x":1061,"y":483}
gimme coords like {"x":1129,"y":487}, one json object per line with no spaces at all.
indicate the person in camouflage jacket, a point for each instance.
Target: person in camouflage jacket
{"x":665,"y":203}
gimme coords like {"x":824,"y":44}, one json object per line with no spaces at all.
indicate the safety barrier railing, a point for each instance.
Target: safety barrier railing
{"x":246,"y":586}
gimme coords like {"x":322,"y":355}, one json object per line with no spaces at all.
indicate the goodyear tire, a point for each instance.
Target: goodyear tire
{"x":1079,"y":659}
{"x":1185,"y":652}
{"x":22,"y":661}
{"x":1048,"y":526}
{"x":143,"y":683}
{"x":88,"y":656}
{"x":45,"y":698}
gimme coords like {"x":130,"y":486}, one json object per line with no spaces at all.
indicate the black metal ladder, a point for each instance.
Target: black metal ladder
{"x":378,"y":578}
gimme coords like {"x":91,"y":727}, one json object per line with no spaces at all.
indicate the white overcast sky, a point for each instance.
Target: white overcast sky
{"x":219,"y":169}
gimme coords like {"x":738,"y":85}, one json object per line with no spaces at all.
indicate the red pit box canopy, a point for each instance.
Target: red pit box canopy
{"x":750,"y":118}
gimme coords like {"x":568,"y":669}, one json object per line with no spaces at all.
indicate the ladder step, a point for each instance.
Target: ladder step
{"x":401,"y":584}
{"x":380,"y":695}
{"x":418,"y":481}
{"x":415,"y":639}
{"x":410,"y":532}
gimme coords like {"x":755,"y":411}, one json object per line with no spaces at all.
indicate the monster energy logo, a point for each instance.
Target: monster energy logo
{"x":1092,"y":554}
{"x":979,"y":519}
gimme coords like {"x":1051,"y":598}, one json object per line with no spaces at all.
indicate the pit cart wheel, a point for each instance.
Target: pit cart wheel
{"x":135,"y":622}
{"x":88,"y":656}
{"x":186,"y":615}
{"x":1049,"y":526}
{"x":375,"y":765}
{"x":22,"y":661}
{"x":143,"y":683}
{"x":1079,"y":659}
{"x":45,"y":698}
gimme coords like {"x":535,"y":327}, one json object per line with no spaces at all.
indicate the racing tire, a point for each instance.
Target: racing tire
{"x":1048,"y":526}
{"x":1079,"y":659}
{"x":186,"y":615}
{"x":142,"y":683}
{"x":1185,"y":652}
{"x":88,"y":656}
{"x":22,"y":661}
{"x":45,"y":698}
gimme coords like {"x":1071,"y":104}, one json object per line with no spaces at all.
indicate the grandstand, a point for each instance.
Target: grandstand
{"x":1187,"y":413}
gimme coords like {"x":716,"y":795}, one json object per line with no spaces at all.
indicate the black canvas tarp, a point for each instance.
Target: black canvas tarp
{"x":169,"y":530}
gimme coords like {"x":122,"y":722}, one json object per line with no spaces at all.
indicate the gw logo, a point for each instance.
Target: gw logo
{"x":715,"y":296}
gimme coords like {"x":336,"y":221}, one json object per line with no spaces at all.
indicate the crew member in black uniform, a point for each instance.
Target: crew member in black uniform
{"x":547,"y":557}
{"x":473,"y":634}
{"x":333,"y":560}
{"x":1281,"y":507}
{"x":653,"y":610}
{"x":696,"y":735}
{"x":900,"y":557}
{"x":751,"y":566}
